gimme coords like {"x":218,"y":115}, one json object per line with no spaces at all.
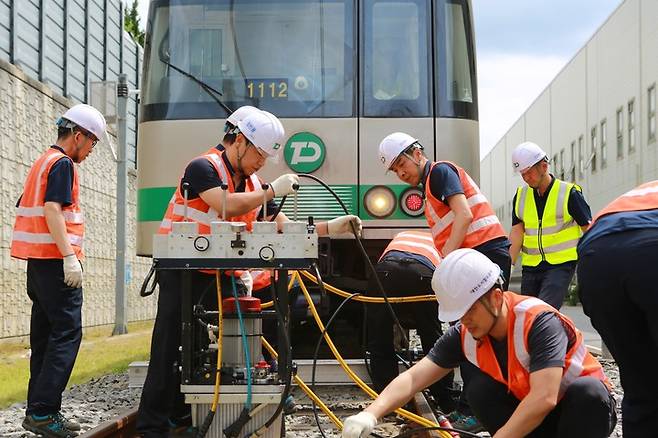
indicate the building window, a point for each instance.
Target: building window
{"x":562,"y":164}
{"x":631,"y":126}
{"x":573,"y":162}
{"x":592,"y":157}
{"x":604,"y":143}
{"x":581,"y":157}
{"x":651,"y":102}
{"x":620,"y":133}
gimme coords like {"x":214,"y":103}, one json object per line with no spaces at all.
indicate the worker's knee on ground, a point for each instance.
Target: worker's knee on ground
{"x":588,"y":393}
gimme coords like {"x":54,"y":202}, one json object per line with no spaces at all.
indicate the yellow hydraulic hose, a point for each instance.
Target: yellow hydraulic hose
{"x":409,"y":415}
{"x":366,"y":299}
{"x":220,"y":333}
{"x":306,"y":389}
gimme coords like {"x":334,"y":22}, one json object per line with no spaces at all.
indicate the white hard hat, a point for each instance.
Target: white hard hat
{"x":460,"y":280}
{"x":265,"y":131}
{"x":392,"y":147}
{"x":526,"y":155}
{"x":86,"y":117}
{"x":240,"y":114}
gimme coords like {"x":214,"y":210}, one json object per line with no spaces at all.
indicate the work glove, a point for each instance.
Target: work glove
{"x":282,"y":186}
{"x":341,"y":225}
{"x":359,"y":425}
{"x":247,"y":281}
{"x":72,"y":271}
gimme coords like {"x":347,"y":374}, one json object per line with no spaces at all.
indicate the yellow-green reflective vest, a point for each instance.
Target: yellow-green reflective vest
{"x":554,"y":237}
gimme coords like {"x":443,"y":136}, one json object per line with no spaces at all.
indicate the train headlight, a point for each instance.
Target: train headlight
{"x":379,"y":202}
{"x":412,"y":202}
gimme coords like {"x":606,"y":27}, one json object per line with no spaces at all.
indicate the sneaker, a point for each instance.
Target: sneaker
{"x":290,"y":405}
{"x":183,"y":432}
{"x":68,"y":424}
{"x":48,"y":426}
{"x":467,"y":423}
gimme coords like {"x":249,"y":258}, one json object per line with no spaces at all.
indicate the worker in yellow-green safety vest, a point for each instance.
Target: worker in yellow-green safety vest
{"x":548,"y":218}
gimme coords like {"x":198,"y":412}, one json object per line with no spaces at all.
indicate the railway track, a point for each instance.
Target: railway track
{"x":123,"y":426}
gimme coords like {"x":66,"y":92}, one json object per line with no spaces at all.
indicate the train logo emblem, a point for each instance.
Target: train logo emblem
{"x":304,"y":152}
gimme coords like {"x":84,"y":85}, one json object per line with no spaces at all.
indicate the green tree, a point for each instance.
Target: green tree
{"x":131,"y":23}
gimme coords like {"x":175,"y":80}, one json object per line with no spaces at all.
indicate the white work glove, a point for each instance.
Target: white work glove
{"x":341,"y":225}
{"x":72,"y":271}
{"x":247,"y":281}
{"x":359,"y":425}
{"x":282,"y":186}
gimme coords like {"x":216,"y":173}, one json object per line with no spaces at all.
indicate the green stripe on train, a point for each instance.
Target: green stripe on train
{"x":152,"y":203}
{"x":314,"y":201}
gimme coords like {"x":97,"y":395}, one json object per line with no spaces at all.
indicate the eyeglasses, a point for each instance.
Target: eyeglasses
{"x":91,"y":136}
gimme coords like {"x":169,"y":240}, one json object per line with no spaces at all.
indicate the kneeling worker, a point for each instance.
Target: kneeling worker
{"x":405,"y":269}
{"x":535,"y":377}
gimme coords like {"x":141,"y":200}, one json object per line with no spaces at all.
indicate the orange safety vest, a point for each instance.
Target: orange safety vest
{"x":31,"y":238}
{"x":522,"y":311}
{"x":200,"y":212}
{"x":415,"y":242}
{"x":485,"y":225}
{"x":643,"y":197}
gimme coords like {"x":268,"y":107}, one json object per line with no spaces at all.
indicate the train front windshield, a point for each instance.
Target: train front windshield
{"x":293,"y":58}
{"x":299,"y":58}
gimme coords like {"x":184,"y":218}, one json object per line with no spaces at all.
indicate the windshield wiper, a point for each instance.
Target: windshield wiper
{"x":205,"y":87}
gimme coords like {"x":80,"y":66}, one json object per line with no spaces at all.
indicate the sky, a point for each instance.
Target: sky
{"x":521,"y":45}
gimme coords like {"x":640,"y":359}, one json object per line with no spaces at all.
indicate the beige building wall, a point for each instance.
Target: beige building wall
{"x":613,"y":70}
{"x":28,"y":111}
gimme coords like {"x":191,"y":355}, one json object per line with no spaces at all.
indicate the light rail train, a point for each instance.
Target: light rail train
{"x":340,"y":74}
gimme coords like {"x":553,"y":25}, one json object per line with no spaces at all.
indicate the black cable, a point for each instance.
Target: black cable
{"x":363,"y":251}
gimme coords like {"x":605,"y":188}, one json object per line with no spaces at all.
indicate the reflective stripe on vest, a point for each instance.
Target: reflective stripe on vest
{"x":555,"y":237}
{"x":485,"y":225}
{"x":415,"y":242}
{"x":643,"y":197}
{"x":522,"y":312}
{"x":31,"y":235}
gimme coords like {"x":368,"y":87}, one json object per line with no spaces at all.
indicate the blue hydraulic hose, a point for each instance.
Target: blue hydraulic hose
{"x":245,"y":345}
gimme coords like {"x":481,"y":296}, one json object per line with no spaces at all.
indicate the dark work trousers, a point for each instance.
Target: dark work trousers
{"x":403,"y":277}
{"x":55,"y":334}
{"x":161,"y":399}
{"x":501,"y":257}
{"x":550,"y":285}
{"x":587,"y":410}
{"x":619,"y":292}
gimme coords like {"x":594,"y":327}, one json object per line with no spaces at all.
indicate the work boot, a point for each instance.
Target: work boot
{"x":183,"y":432}
{"x":68,"y":424}
{"x":467,"y":423}
{"x":48,"y":425}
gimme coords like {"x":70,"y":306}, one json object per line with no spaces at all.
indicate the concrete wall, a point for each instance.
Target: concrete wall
{"x":617,"y":66}
{"x":28,"y":110}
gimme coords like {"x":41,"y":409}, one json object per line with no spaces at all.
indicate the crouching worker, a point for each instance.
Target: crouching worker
{"x":405,"y":269}
{"x":535,"y":376}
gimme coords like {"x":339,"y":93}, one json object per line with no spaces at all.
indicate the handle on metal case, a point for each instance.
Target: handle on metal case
{"x":224,"y":188}
{"x":186,"y":189}
{"x":265,"y":186}
{"x":295,"y":187}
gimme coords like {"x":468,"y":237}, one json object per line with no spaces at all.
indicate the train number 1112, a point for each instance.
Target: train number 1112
{"x":267,"y":89}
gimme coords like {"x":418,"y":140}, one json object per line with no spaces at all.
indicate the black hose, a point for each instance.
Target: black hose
{"x":363,"y":252}
{"x":143,"y":292}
